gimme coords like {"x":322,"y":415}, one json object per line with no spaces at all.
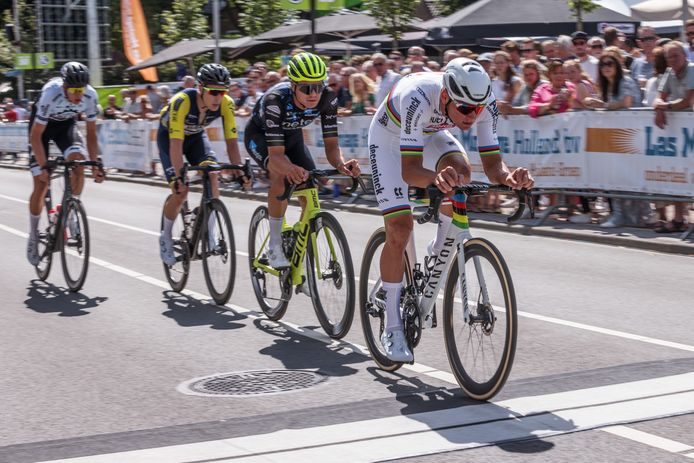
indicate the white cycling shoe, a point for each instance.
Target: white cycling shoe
{"x":166,"y":251}
{"x":33,"y":249}
{"x":276,"y":258}
{"x":395,"y":346}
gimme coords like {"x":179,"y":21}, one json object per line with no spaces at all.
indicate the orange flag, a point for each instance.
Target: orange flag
{"x":136,"y":42}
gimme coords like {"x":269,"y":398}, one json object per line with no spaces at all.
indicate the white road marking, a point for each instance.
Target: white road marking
{"x":438,"y":431}
{"x":648,"y":439}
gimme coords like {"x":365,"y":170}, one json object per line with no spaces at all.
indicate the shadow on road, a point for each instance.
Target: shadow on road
{"x":187,"y":311}
{"x":299,"y":352}
{"x":43,"y":297}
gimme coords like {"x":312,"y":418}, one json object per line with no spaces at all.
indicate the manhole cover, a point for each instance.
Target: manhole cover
{"x":250,"y":383}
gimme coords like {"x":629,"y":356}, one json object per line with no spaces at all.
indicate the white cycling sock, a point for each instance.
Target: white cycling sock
{"x":393,"y":317}
{"x":441,"y":232}
{"x":168,"y":225}
{"x":275,"y":231}
{"x":212,"y":229}
{"x":34,"y":222}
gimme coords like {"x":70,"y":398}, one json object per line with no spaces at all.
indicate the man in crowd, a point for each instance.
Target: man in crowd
{"x":112,"y":110}
{"x":595,"y":46}
{"x":549,"y":50}
{"x":188,"y":82}
{"x":449,"y":55}
{"x":689,"y":29}
{"x":643,"y":68}
{"x":387,"y":78}
{"x":344,"y":99}
{"x":589,"y":64}
{"x":529,"y":49}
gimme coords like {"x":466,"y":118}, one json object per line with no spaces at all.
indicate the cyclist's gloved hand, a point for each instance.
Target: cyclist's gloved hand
{"x":297,"y":174}
{"x":447,"y":179}
{"x":177,"y":185}
{"x":350,"y":167}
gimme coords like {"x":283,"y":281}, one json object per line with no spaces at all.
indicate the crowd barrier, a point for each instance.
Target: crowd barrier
{"x":601,"y":150}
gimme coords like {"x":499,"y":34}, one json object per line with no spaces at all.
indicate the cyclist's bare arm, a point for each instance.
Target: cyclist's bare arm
{"x":334,"y":155}
{"x":281,"y":166}
{"x":497,"y":172}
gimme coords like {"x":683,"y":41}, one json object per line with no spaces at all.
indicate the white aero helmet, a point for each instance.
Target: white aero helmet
{"x":466,"y":82}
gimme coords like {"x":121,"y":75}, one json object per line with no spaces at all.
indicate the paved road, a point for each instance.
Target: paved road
{"x":605,"y":348}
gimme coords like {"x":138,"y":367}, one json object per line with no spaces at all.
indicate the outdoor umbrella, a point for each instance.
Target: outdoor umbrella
{"x":248,"y":46}
{"x":663,"y":10}
{"x":176,"y":51}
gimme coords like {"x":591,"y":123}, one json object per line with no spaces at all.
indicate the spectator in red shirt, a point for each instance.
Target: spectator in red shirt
{"x":10,"y":113}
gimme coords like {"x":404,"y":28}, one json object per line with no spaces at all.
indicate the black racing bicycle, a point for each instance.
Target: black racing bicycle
{"x":67,"y":229}
{"x":205,"y":233}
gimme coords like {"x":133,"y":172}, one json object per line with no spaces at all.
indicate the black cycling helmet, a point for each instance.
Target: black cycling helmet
{"x":75,"y":74}
{"x":214,"y":74}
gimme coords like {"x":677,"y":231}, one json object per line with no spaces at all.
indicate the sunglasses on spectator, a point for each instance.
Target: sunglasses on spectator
{"x":216,"y":91}
{"x":466,"y":110}
{"x":648,"y":38}
{"x":76,"y":90}
{"x":527,"y":50}
{"x":379,"y":64}
{"x":579,"y":42}
{"x":597,"y":45}
{"x":607,"y":64}
{"x":307,"y":89}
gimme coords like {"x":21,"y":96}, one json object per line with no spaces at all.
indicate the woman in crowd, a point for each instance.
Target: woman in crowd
{"x":533,"y":77}
{"x":555,"y":96}
{"x":615,"y":89}
{"x":506,"y":84}
{"x":363,"y":94}
{"x":584,"y":87}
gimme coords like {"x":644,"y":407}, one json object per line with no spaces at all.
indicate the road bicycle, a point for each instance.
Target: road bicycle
{"x":205,"y":233}
{"x":326,"y":276}
{"x":479,"y":303}
{"x":67,"y":229}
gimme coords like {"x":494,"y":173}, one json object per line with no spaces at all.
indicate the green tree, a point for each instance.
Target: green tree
{"x":392,"y":15}
{"x":185,"y":20}
{"x":257,"y":17}
{"x":578,"y":7}
{"x":6,"y":48}
{"x":447,"y":7}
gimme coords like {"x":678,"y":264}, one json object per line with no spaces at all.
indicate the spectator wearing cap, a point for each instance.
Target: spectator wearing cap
{"x":643,"y":68}
{"x":513,"y":51}
{"x":486,"y":60}
{"x":589,"y":64}
{"x":595,"y":46}
{"x":386,"y":77}
{"x":529,"y":50}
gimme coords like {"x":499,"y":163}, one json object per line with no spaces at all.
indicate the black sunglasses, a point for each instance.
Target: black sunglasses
{"x":307,"y":89}
{"x":605,"y":64}
{"x":596,"y":46}
{"x":648,"y":38}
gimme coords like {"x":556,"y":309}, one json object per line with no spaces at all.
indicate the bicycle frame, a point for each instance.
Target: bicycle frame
{"x":60,"y":215}
{"x":304,"y":231}
{"x":202,"y":213}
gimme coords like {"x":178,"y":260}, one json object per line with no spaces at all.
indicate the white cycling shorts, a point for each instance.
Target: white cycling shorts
{"x":386,"y":169}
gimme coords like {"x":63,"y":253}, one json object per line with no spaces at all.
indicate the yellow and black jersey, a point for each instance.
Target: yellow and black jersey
{"x":182,"y":116}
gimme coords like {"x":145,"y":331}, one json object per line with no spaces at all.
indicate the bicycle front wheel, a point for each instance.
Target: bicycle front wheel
{"x":371,"y":310}
{"x":272,"y":291}
{"x":177,"y":274}
{"x":331,"y":276}
{"x":481,"y":343}
{"x":75,"y":244}
{"x":218,"y":252}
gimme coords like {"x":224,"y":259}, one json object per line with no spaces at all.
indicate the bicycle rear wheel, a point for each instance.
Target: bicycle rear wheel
{"x":272,"y":292}
{"x":331,"y":276}
{"x":177,"y":274}
{"x":218,"y":252}
{"x":75,"y":245}
{"x":372,"y":313}
{"x":480,"y":348}
{"x":43,"y":268}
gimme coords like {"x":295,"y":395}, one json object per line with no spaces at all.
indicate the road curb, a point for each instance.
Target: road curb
{"x":589,"y":236}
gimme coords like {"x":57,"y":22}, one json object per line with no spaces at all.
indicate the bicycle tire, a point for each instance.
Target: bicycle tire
{"x":75,"y":240}
{"x":368,"y":311}
{"x":226,"y":252}
{"x":281,"y":290}
{"x":476,"y":384}
{"x":177,"y":275}
{"x":336,"y":323}
{"x":46,"y":246}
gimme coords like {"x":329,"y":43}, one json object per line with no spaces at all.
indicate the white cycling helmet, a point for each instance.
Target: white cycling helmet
{"x":466,"y":82}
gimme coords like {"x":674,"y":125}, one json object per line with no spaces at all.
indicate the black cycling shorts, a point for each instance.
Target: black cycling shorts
{"x":294,"y":147}
{"x":64,"y":134}
{"x":196,"y":148}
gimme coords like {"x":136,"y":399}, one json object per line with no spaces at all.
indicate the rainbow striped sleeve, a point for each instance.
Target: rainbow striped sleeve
{"x":407,"y":150}
{"x":489,"y":150}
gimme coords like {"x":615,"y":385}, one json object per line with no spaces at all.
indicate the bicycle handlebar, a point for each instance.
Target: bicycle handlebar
{"x":53,"y":163}
{"x":436,"y":197}
{"x":245,"y":167}
{"x":320,"y":173}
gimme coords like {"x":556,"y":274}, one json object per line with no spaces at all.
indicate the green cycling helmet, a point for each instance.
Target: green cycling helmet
{"x":306,"y":67}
